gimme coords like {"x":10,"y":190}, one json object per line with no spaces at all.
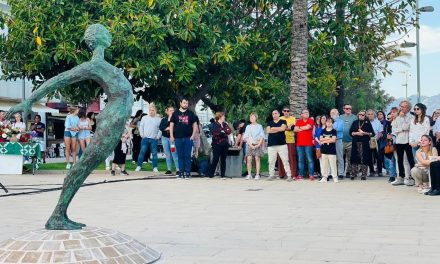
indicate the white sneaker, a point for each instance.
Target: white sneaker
{"x":248,"y":177}
{"x":138,"y":168}
{"x":68,"y":166}
{"x":155,"y":170}
{"x":271,"y":178}
{"x":409,"y":182}
{"x":257,"y":177}
{"x":398,"y":181}
{"x":323,"y":180}
{"x":289,"y":179}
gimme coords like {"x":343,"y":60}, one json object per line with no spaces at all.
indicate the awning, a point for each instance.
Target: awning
{"x":37,"y":107}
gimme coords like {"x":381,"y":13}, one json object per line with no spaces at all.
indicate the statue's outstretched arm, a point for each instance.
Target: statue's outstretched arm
{"x":77,"y":74}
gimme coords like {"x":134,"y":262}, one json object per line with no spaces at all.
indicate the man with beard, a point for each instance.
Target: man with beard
{"x":183,"y":126}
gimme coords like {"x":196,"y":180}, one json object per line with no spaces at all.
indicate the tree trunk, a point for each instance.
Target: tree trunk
{"x":339,"y":99}
{"x":340,"y":51}
{"x":299,"y":52}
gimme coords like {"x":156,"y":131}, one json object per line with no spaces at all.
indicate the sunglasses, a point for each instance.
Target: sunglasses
{"x":286,"y":110}
{"x":347,"y":108}
{"x":361,"y":114}
{"x":416,"y":108}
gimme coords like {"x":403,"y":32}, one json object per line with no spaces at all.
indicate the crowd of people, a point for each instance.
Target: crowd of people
{"x":401,"y":144}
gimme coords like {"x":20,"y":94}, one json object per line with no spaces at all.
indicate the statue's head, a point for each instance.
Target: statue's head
{"x":97,"y":35}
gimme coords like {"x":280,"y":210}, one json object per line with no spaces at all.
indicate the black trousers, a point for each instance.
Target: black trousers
{"x":374,"y":158}
{"x":380,"y":160}
{"x":434,"y":170}
{"x":401,"y":149}
{"x":220,"y":152}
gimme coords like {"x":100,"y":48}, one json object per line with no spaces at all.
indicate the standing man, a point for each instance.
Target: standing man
{"x":338,"y":125}
{"x":348,"y":118}
{"x":291,"y":147}
{"x":304,"y":143}
{"x":378,"y":133}
{"x":38,"y":128}
{"x":400,"y":130}
{"x":276,"y":145}
{"x":183,"y":126}
{"x":150,"y":134}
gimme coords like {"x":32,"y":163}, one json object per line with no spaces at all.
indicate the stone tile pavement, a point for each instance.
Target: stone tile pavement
{"x":238,"y":221}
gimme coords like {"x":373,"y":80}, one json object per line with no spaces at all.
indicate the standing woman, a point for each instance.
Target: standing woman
{"x":71,"y":134}
{"x":418,"y":127}
{"x":19,"y":125}
{"x":361,"y":132}
{"x":220,"y":144}
{"x":254,"y":138}
{"x":166,"y":144}
{"x":319,"y":127}
{"x":197,"y":139}
{"x":136,"y":140}
{"x":85,"y":128}
{"x":92,"y":120}
{"x":121,"y":152}
{"x":383,"y":141}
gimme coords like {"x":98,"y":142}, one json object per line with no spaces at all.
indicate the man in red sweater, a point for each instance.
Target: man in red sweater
{"x":304,"y":143}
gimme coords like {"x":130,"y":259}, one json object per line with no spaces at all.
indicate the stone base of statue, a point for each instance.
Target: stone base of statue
{"x":91,"y":245}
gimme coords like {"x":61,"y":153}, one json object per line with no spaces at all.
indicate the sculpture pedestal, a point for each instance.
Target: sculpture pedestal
{"x":91,"y":245}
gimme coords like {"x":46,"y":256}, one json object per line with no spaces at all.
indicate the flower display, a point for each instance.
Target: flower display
{"x":7,"y":131}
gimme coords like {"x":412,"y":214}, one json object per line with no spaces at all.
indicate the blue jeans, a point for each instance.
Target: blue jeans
{"x":145,"y":144}
{"x":390,"y":165}
{"x":414,"y":150}
{"x":183,"y":149}
{"x":168,"y":154}
{"x":308,"y":153}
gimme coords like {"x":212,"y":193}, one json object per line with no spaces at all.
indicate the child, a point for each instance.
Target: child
{"x":328,"y":151}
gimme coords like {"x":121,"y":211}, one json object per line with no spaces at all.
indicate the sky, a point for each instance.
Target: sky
{"x":429,"y":58}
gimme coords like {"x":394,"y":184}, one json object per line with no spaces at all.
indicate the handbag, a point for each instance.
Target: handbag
{"x":373,"y":143}
{"x":389,"y":148}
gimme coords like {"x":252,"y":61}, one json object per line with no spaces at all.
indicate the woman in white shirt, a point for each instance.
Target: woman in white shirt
{"x":254,"y":138}
{"x":424,"y":156}
{"x":18,"y":124}
{"x":418,"y":127}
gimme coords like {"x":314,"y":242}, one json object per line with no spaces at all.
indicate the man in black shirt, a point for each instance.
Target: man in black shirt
{"x":38,"y":129}
{"x":183,"y":125}
{"x":277,"y":144}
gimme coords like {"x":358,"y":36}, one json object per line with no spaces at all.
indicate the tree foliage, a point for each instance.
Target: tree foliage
{"x":226,"y":52}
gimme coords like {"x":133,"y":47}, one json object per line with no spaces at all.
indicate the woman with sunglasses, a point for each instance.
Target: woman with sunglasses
{"x":361,"y":132}
{"x":418,"y":127}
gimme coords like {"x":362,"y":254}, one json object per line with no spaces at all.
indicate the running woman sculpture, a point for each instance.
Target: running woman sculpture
{"x":110,"y":122}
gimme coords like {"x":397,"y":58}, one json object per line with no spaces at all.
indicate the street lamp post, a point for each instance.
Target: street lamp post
{"x":417,"y":44}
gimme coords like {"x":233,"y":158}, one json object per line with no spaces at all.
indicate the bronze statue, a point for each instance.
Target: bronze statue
{"x":110,"y":122}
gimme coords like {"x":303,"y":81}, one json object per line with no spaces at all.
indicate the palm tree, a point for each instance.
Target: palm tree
{"x":298,"y":72}
{"x":392,"y":54}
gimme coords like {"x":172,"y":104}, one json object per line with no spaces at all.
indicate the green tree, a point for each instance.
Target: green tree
{"x":166,"y":48}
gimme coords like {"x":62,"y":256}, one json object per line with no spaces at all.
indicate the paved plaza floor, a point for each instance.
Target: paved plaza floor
{"x":238,"y":221}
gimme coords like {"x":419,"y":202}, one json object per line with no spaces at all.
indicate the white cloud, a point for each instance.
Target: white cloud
{"x":429,"y":39}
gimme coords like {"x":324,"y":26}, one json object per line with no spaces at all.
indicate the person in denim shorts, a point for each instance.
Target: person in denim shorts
{"x":71,"y":134}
